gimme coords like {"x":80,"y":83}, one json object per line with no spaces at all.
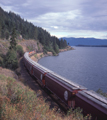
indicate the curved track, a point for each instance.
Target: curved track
{"x":70,"y":93}
{"x":34,"y":84}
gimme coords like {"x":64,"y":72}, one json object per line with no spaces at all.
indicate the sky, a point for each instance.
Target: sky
{"x":63,"y":18}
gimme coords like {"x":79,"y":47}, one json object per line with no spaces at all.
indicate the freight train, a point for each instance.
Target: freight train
{"x":70,"y":93}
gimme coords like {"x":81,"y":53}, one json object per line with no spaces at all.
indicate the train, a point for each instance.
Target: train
{"x":70,"y":93}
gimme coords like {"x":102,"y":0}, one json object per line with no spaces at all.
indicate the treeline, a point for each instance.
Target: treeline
{"x":10,"y":60}
{"x":28,"y":31}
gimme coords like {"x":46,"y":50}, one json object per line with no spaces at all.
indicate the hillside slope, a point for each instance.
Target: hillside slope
{"x":23,"y":99}
{"x":26,"y":30}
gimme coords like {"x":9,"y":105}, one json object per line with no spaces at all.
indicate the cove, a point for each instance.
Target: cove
{"x":86,"y":66}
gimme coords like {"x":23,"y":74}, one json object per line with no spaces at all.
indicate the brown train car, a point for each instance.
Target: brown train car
{"x":28,"y":65}
{"x":92,"y":103}
{"x":39,"y":73}
{"x":71,"y":94}
{"x":27,"y":61}
{"x":62,"y":88}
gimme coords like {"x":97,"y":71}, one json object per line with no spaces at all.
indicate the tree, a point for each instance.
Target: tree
{"x":28,"y":31}
{"x":41,"y":37}
{"x":55,"y":47}
{"x":1,"y":61}
{"x":11,"y":61}
{"x":61,"y":43}
{"x":0,"y":29}
{"x":7,"y":34}
{"x":65,"y":43}
{"x":19,"y":50}
{"x":13,"y":40}
{"x":35,"y":33}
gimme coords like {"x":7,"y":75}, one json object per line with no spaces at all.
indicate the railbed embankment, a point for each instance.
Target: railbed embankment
{"x":38,"y":56}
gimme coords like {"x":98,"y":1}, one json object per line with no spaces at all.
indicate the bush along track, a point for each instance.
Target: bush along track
{"x":19,"y":102}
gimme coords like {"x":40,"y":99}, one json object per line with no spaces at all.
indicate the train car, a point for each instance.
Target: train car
{"x":92,"y":103}
{"x":61,"y":87}
{"x":28,"y":62}
{"x":39,"y":73}
{"x":72,"y":94}
{"x":35,"y":69}
{"x":64,"y":89}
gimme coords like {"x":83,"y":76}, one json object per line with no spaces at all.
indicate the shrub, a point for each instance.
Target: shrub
{"x":45,"y":51}
{"x":38,"y":46}
{"x":11,"y":61}
{"x":50,"y":49}
{"x":30,"y":48}
{"x":19,"y":102}
{"x":35,"y":56}
{"x":1,"y":61}
{"x":19,"y":50}
{"x":41,"y":55}
{"x":56,"y":48}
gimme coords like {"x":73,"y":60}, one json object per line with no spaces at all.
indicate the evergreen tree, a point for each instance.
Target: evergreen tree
{"x":13,"y":40}
{"x":1,"y":61}
{"x":0,"y":29}
{"x":61,"y":43}
{"x":41,"y":37}
{"x":65,"y":43}
{"x":27,"y":30}
{"x":55,"y":47}
{"x":35,"y":33}
{"x":19,"y":50}
{"x":11,"y":61}
{"x":7,"y":34}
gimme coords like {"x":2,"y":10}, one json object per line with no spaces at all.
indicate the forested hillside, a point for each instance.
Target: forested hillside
{"x":27,"y":30}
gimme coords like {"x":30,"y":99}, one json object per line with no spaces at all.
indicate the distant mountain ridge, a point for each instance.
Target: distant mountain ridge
{"x":85,"y":41}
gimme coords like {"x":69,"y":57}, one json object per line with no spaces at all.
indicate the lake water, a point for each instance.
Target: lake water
{"x":86,"y":66}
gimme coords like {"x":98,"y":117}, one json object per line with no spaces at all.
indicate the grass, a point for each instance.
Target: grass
{"x":36,"y":56}
{"x":19,"y":102}
{"x":38,"y":45}
{"x":30,"y":48}
{"x":41,"y":55}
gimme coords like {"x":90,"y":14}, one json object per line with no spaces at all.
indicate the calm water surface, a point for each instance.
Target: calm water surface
{"x":86,"y":66}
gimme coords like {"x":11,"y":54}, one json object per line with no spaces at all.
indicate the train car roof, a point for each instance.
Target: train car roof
{"x":95,"y":97}
{"x":26,"y":55}
{"x":53,"y":74}
{"x":66,"y":81}
{"x":88,"y":94}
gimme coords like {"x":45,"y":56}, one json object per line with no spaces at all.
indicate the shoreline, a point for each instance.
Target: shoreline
{"x":37,"y":56}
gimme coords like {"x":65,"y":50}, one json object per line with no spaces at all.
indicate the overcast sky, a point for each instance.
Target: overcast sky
{"x":68,"y":18}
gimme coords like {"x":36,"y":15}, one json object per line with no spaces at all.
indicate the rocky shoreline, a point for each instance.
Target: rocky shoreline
{"x":37,"y":56}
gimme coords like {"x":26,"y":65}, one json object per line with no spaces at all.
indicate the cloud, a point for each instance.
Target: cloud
{"x":63,"y":16}
{"x":55,"y":27}
{"x":56,"y":19}
{"x":6,"y":8}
